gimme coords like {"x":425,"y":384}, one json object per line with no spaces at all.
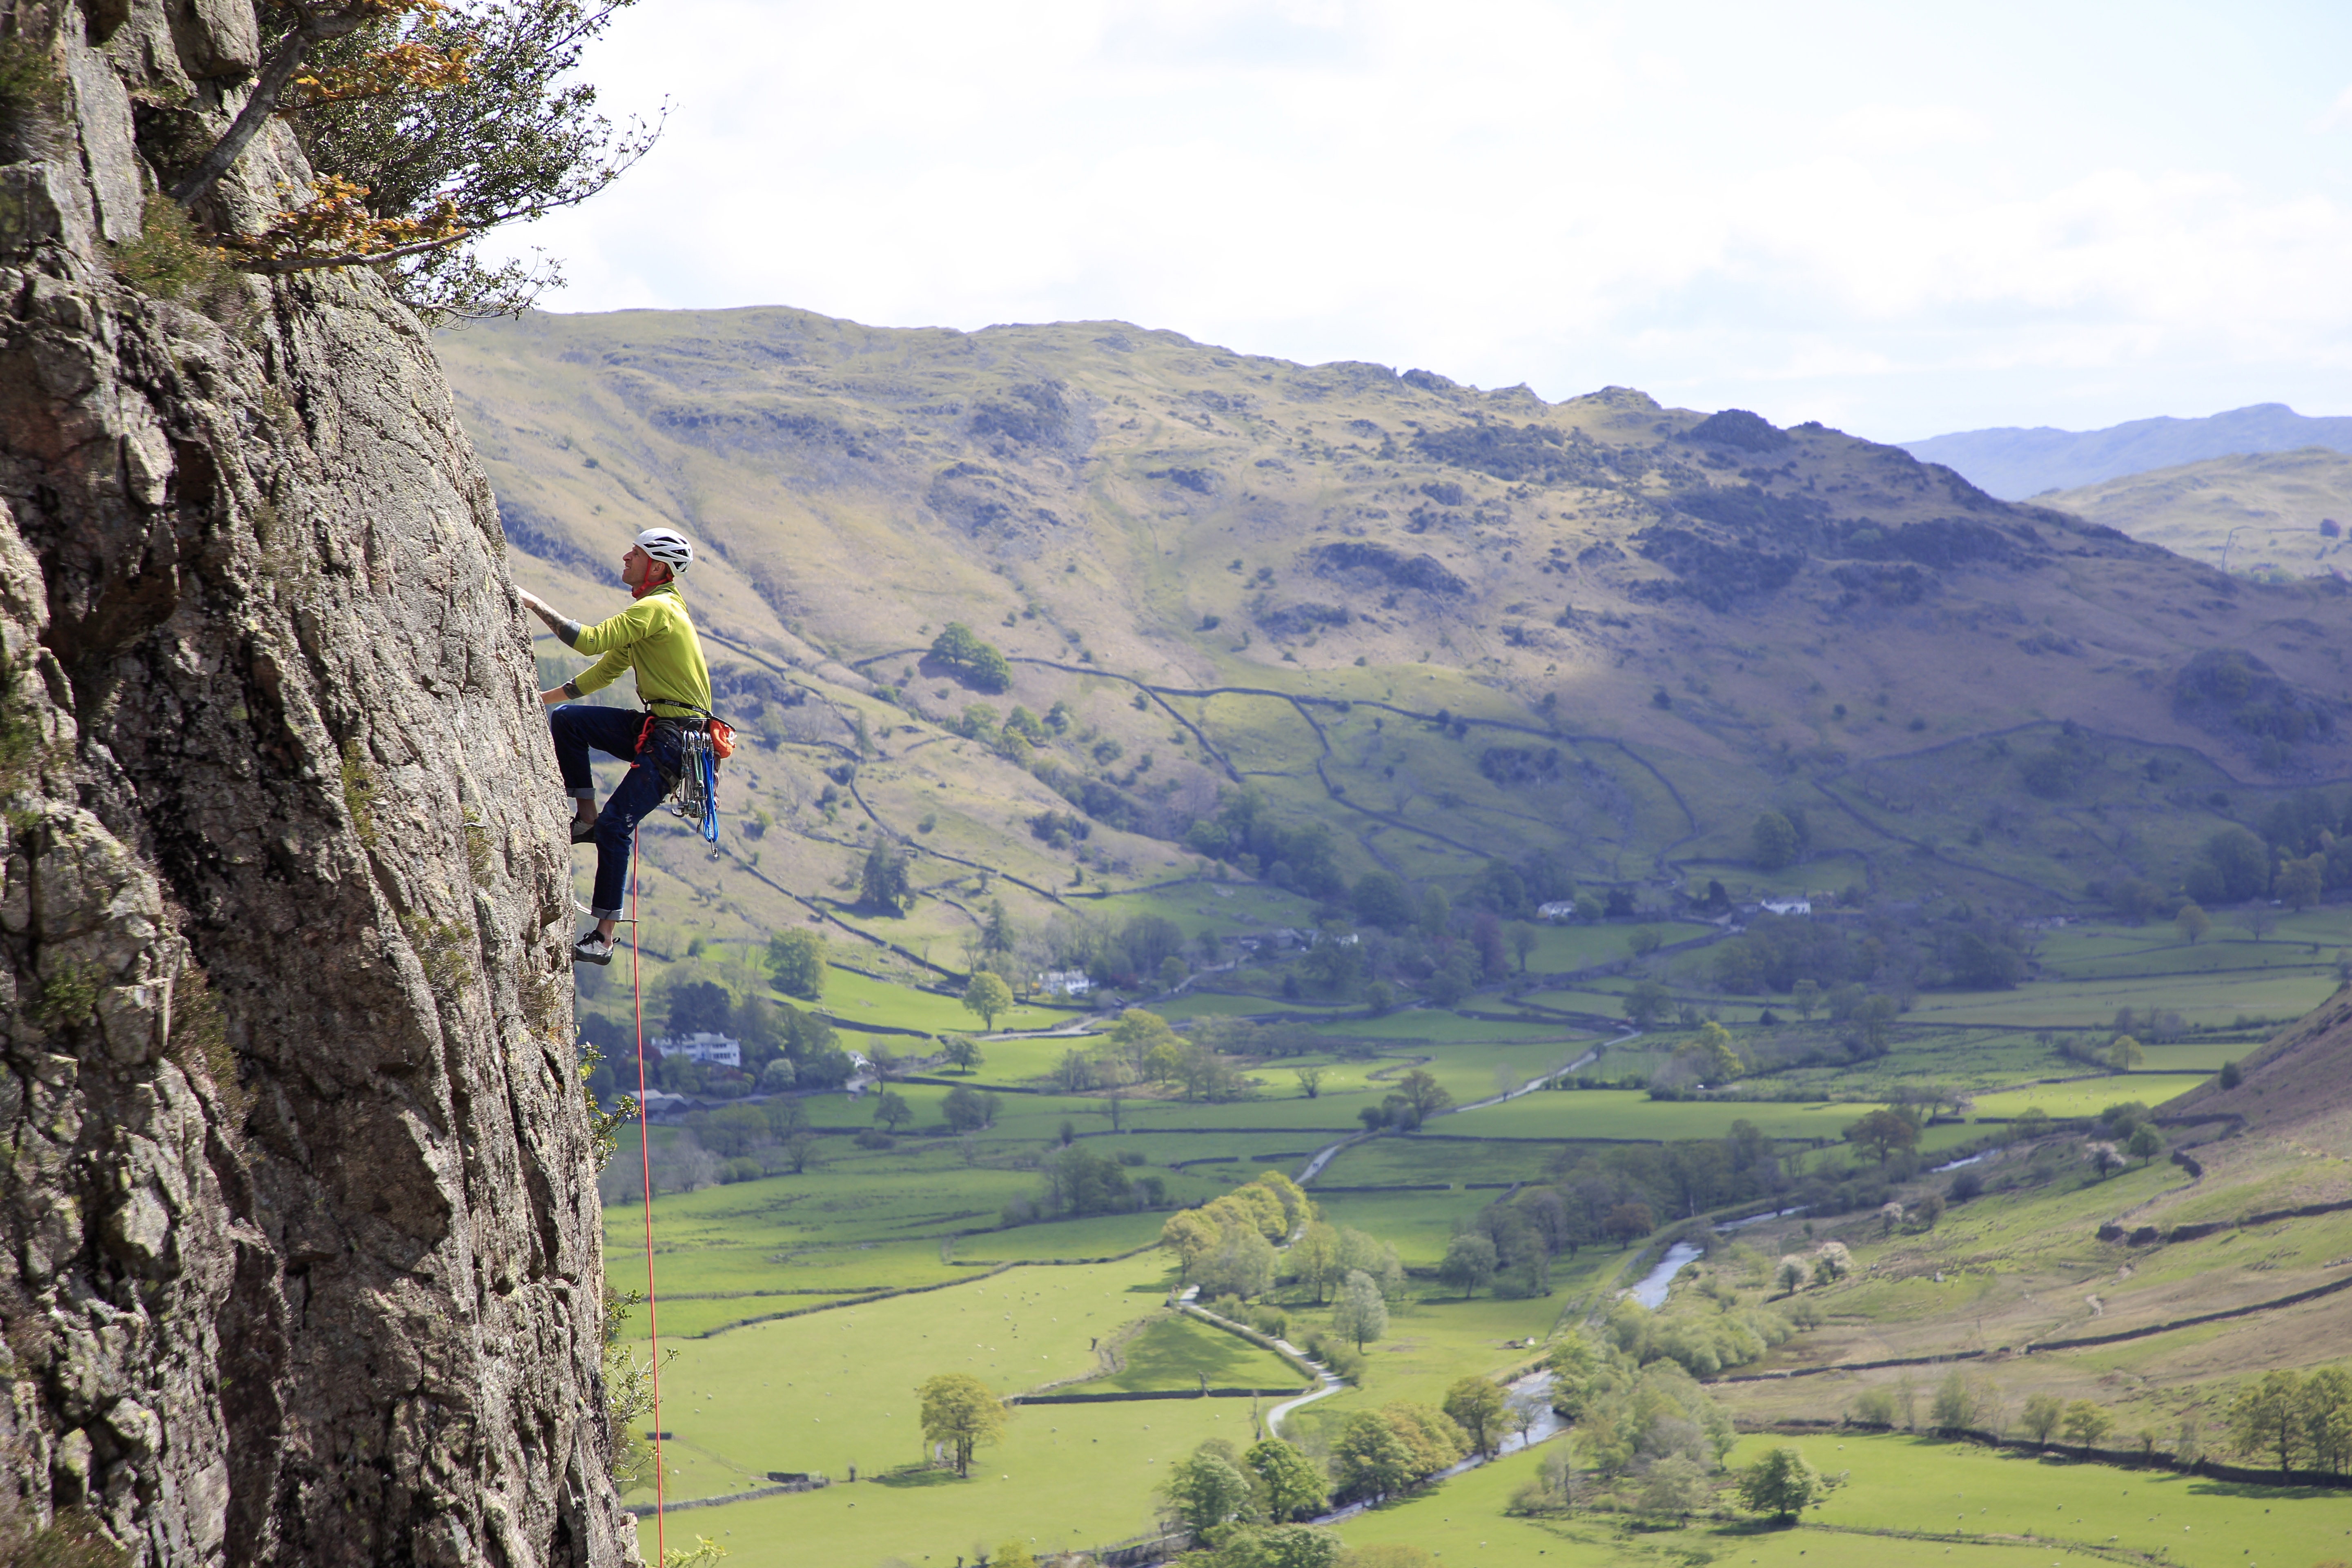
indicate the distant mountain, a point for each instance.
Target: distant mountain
{"x":2253,"y":513}
{"x":2014,"y":463}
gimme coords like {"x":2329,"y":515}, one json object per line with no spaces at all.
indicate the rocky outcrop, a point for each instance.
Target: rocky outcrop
{"x":301,"y":1252}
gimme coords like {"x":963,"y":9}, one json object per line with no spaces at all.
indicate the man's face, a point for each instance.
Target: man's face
{"x":635,"y":567}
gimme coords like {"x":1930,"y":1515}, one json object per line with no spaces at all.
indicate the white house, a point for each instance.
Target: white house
{"x":702,"y":1046}
{"x":1066,"y":982}
{"x":1558,"y":909}
{"x":1788,"y":906}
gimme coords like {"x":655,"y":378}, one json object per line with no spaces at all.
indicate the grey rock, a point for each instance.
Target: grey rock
{"x":299,"y":1235}
{"x":102,"y":116}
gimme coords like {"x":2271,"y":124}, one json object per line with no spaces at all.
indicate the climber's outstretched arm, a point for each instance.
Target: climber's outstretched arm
{"x":567,"y":630}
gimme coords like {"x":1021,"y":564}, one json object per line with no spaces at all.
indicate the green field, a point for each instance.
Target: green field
{"x":2088,"y":1096}
{"x":1951,"y":1492}
{"x":1179,"y":1351}
{"x":764,"y":1383}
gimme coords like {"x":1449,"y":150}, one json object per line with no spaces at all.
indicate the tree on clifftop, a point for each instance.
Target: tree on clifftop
{"x":427,"y":124}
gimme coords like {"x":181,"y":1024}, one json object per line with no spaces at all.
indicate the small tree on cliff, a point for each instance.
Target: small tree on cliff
{"x":427,"y":123}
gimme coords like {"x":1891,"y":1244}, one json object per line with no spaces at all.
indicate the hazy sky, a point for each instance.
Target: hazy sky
{"x":1902,"y":218}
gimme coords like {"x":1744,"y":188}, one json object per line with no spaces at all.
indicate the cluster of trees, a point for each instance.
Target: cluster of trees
{"x":961,"y":652}
{"x":1142,"y":1048}
{"x":1325,"y":1255}
{"x":1417,"y":1096}
{"x":734,"y":1143}
{"x":1380,"y":1453}
{"x":1242,"y":831}
{"x":1814,"y":962}
{"x":2302,"y":853}
{"x":2080,"y":1422}
{"x":1121,"y":955}
{"x":784,"y":1047}
{"x":1683,"y":1178}
{"x":1703,"y":1336}
{"x":1778,"y":838}
{"x":1226,"y":1245}
{"x":1227,"y":1498}
{"x":1630,"y":1416}
{"x":2296,"y":1419}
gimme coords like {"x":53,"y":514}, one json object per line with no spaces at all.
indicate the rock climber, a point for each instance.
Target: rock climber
{"x":655,"y":637}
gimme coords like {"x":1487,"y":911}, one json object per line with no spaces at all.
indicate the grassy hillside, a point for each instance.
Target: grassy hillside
{"x":1446,"y":624}
{"x":2252,"y":514}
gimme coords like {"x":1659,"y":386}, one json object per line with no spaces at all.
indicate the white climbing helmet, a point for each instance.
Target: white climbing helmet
{"x":669,"y":547}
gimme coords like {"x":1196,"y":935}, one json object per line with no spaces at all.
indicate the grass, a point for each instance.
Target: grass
{"x":1893,"y":1483}
{"x":808,"y":1394}
{"x":1179,"y":1352}
{"x":852,"y":998}
{"x":1075,"y":1475}
{"x":923,"y":1214}
{"x":2089,"y":1097}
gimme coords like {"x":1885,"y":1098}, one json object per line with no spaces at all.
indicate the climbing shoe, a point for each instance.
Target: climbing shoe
{"x":592,"y":949}
{"x":584,"y":832}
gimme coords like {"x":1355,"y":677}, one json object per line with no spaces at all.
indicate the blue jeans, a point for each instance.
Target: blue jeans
{"x":578,"y":729}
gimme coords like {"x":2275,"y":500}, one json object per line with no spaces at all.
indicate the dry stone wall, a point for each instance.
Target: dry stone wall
{"x":301,"y":1253}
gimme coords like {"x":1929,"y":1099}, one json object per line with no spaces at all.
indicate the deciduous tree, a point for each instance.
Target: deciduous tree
{"x":1423,"y":1093}
{"x":1205,"y":1491}
{"x":1881,"y":1132}
{"x":2086,"y":1424}
{"x":797,"y":960}
{"x":987,"y":995}
{"x":2269,"y":1419}
{"x":1294,"y":1486}
{"x":1779,"y":1483}
{"x":959,"y":1410}
{"x":1469,"y":1263}
{"x":1360,"y":1313}
{"x":1477,"y":1406}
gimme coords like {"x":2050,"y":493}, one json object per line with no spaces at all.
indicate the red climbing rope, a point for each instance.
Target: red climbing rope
{"x":646,"y":1158}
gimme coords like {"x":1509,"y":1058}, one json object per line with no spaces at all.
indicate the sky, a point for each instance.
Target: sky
{"x":1898,"y":217}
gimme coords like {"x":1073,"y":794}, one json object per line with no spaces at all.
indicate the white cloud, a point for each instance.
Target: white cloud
{"x":1859,"y":216}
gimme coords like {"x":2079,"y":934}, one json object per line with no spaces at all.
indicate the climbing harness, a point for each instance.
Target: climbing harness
{"x":702,"y":744}
{"x":646,"y":1160}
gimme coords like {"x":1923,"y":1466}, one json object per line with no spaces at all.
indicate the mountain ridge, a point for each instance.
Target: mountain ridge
{"x":1557,"y":591}
{"x":2018,"y":463}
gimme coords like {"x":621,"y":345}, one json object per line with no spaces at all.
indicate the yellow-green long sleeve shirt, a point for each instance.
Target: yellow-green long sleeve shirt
{"x":654,"y":636}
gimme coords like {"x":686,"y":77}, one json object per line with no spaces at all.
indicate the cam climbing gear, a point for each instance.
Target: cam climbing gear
{"x":692,"y":785}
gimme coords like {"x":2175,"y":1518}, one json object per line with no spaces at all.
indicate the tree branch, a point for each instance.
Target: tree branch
{"x":352,"y":258}
{"x":262,"y":101}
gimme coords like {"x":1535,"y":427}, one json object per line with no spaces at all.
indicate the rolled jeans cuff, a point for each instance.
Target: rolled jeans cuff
{"x":605,"y":914}
{"x":589,"y":793}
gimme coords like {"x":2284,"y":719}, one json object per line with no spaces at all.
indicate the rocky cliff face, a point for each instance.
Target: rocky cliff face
{"x":301,"y":1260}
